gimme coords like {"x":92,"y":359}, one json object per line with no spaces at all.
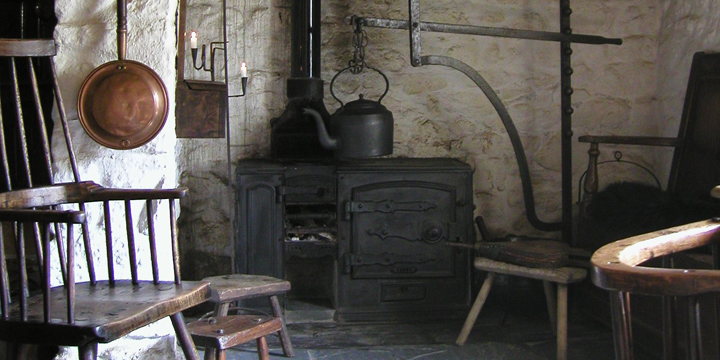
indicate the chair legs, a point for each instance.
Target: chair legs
{"x":622,"y":329}
{"x":88,"y":351}
{"x":186,"y":342}
{"x":475,"y":310}
{"x":16,"y":351}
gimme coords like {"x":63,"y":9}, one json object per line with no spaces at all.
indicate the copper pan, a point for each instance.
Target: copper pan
{"x":122,"y":104}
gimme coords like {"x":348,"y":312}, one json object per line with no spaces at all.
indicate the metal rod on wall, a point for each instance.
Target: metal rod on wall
{"x":487,"y":31}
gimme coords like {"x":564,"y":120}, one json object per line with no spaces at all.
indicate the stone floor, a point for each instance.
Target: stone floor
{"x":513,"y":325}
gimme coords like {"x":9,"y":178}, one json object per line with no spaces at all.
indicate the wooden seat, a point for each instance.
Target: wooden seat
{"x":618,"y":267}
{"x":224,"y":332}
{"x":227,"y":289}
{"x":555,"y":282}
{"x":91,"y":304}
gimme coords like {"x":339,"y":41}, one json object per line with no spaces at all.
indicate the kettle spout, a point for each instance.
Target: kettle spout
{"x":326,"y":141}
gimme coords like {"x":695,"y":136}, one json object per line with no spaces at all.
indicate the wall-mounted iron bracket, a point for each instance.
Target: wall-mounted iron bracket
{"x":565,"y":37}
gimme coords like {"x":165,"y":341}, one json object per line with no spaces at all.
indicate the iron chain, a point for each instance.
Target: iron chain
{"x":360,"y":41}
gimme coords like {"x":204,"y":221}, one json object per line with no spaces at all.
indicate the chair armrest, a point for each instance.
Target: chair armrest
{"x":43,"y":216}
{"x":112,"y":194}
{"x":615,"y":266}
{"x":86,"y":191}
{"x":630,"y":140}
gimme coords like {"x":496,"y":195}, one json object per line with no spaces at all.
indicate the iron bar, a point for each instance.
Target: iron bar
{"x":415,"y":42}
{"x":487,"y":31}
{"x":566,"y":133}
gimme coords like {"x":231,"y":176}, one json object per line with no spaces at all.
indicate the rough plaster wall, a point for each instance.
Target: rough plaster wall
{"x":438,"y":111}
{"x":86,"y":38}
{"x":688,"y":26}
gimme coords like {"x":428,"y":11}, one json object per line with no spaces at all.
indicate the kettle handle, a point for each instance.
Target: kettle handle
{"x":387,"y":83}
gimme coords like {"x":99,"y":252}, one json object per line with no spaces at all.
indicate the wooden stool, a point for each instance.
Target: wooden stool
{"x":558,"y":314}
{"x":221,"y":333}
{"x":226,"y":289}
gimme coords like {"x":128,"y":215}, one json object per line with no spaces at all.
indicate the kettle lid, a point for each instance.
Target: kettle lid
{"x":363,"y":106}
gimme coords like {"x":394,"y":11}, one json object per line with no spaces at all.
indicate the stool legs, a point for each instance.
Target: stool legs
{"x":551,"y":301}
{"x":562,"y":292}
{"x":557,"y":308}
{"x":284,"y":338}
{"x":220,"y":355}
{"x":475,"y":310}
{"x":263,"y":351}
{"x":220,"y":310}
{"x":262,"y":348}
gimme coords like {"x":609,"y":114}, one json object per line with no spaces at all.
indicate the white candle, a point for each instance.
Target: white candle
{"x":243,"y":70}
{"x":193,"y":40}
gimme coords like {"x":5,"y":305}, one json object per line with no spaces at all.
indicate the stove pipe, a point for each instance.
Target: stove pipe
{"x":294,"y":135}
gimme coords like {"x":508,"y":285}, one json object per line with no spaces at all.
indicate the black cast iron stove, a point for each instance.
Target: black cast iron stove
{"x":366,"y":237}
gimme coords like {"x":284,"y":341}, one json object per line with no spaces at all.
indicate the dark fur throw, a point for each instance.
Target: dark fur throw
{"x":626,"y":208}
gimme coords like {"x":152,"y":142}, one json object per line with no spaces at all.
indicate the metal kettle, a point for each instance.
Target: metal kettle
{"x":361,"y":128}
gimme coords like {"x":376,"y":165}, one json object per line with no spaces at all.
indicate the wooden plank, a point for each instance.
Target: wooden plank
{"x":226,"y":288}
{"x":228,"y":331}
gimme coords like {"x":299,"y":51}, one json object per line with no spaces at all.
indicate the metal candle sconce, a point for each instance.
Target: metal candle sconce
{"x":214,"y":46}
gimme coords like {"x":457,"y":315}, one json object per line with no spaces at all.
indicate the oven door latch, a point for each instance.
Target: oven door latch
{"x":384,"y":259}
{"x":385,"y":206}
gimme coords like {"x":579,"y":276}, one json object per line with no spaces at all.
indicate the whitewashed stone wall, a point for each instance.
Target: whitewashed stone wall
{"x":687,"y":27}
{"x":86,"y":36}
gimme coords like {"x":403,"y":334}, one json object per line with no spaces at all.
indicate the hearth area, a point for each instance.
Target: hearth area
{"x":367,"y":237}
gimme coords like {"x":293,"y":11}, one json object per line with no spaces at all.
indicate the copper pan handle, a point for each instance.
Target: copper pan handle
{"x":121,"y":28}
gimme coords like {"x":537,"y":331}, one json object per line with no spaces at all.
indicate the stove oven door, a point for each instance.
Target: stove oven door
{"x":399,"y":229}
{"x":393,"y":230}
